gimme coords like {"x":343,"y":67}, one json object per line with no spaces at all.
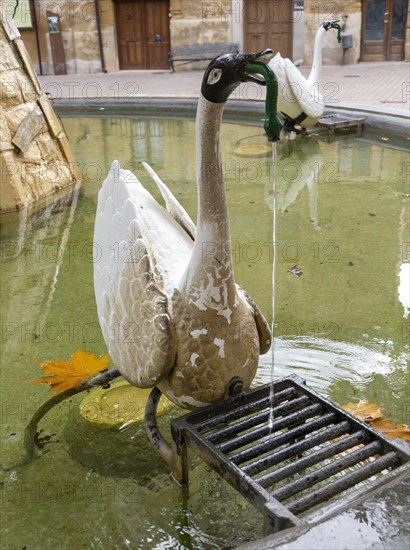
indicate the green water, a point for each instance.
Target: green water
{"x":343,"y":219}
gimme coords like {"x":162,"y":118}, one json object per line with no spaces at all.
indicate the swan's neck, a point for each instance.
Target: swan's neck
{"x":213,"y":232}
{"x":314,"y":75}
{"x":209,"y":279}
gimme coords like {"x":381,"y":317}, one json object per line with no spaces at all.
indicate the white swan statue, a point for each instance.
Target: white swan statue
{"x":299,"y":99}
{"x":170,"y":311}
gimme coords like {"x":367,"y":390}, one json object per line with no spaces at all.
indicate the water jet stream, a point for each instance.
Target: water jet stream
{"x":274,"y":260}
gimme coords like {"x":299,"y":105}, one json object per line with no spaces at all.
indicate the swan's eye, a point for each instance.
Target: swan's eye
{"x":214,"y":76}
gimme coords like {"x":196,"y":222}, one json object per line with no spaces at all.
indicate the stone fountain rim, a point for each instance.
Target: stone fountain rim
{"x":386,"y":119}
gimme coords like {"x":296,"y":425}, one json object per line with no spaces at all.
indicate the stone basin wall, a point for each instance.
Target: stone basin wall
{"x":35,"y":156}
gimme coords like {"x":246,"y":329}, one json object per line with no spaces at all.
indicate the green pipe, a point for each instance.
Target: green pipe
{"x":272,"y":124}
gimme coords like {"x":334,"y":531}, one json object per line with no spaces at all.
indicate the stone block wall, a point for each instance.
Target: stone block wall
{"x":199,"y":22}
{"x":35,"y":156}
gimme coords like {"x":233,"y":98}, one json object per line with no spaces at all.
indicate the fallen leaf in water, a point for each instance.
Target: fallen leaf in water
{"x":390,"y":430}
{"x":368,"y":412}
{"x":64,"y":375}
{"x":371,"y":413}
{"x":295,"y":270}
{"x":118,"y":406}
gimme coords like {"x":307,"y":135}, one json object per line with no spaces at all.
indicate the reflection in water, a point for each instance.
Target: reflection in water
{"x":342,"y":370}
{"x":298,"y":166}
{"x":404,"y":288}
{"x":340,"y":325}
{"x":378,"y":523}
{"x":36,"y":243}
{"x":33,"y":248}
{"x":321,"y":361}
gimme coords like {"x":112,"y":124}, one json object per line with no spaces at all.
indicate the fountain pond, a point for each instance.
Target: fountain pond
{"x":343,"y":325}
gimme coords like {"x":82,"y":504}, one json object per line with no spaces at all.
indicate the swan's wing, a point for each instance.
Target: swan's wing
{"x":287,"y":102}
{"x":177,"y":211}
{"x":131,"y":303}
{"x":265,"y":336}
{"x":278,"y":67}
{"x":308,"y":97}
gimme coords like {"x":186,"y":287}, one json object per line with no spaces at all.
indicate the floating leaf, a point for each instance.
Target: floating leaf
{"x":371,"y":413}
{"x":64,"y":375}
{"x":368,"y":412}
{"x":295,"y":270}
{"x":390,"y":430}
{"x":119,"y":405}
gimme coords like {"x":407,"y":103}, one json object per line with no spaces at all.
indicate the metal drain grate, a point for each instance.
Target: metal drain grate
{"x":333,"y":122}
{"x":311,"y":453}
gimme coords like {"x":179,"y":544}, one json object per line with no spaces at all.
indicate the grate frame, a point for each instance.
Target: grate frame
{"x":335,"y":121}
{"x":239,"y":425}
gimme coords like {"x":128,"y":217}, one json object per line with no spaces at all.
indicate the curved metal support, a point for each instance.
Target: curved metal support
{"x":176,"y":462}
{"x":101,"y":379}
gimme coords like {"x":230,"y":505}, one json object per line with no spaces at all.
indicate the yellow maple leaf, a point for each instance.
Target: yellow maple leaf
{"x":371,"y":413}
{"x":64,"y":375}
{"x":368,"y":412}
{"x":393,"y":431}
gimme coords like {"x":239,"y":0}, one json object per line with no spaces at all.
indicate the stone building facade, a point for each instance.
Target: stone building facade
{"x":86,"y":36}
{"x":379,"y":30}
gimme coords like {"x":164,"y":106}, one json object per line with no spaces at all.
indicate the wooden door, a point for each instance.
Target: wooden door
{"x":268,"y":24}
{"x":56,"y":43}
{"x":130,"y":35}
{"x":383,"y":30}
{"x":143,"y":34}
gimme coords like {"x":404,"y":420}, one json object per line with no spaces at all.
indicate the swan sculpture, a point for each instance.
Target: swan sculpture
{"x":170,"y":311}
{"x":299,"y":100}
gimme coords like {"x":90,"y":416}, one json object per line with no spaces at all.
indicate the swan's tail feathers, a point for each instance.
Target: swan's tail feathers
{"x":177,"y":211}
{"x":109,"y":184}
{"x":115,"y":170}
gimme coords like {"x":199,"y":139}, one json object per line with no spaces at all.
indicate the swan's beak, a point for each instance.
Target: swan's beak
{"x":328,"y":23}
{"x":261,"y":57}
{"x":333,"y":24}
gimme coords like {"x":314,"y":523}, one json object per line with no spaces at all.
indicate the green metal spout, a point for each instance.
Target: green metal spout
{"x":272,"y":124}
{"x":339,"y":32}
